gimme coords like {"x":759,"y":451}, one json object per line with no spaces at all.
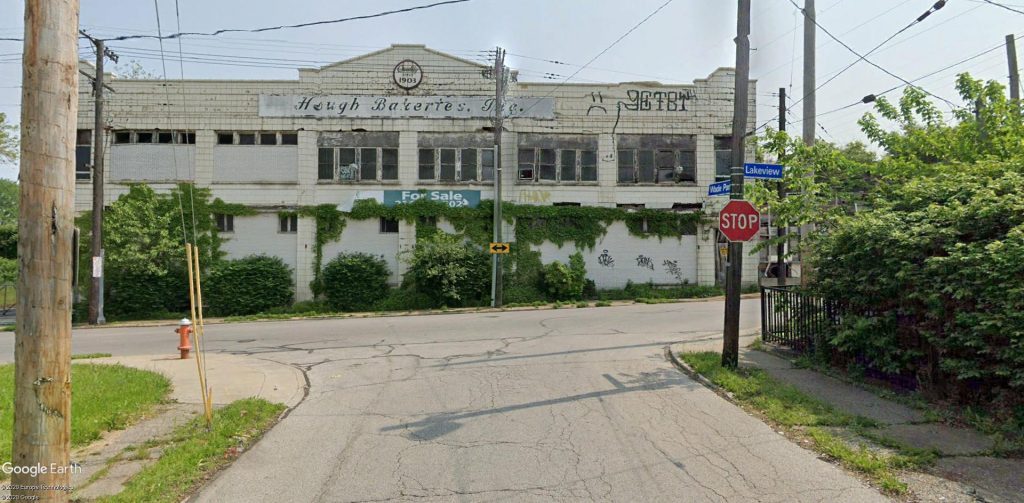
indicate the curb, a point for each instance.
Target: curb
{"x":392,"y":314}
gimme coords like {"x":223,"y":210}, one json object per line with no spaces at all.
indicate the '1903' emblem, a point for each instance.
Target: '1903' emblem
{"x":408,"y":74}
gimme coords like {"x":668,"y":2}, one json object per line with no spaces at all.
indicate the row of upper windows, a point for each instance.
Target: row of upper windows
{"x":289,"y":224}
{"x":257,"y":138}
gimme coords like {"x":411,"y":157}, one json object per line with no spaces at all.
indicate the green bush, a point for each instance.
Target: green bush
{"x":566,"y":281}
{"x":9,"y":241}
{"x":522,"y":294}
{"x":248,"y":285}
{"x":134,"y":296}
{"x":932,"y":281}
{"x":355,"y":281}
{"x":8,"y":270}
{"x":451,"y":272}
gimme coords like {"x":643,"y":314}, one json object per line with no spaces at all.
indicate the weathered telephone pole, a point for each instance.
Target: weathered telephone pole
{"x":734,"y":273}
{"x":1011,"y":58}
{"x":499,"y":98}
{"x":780,"y":249}
{"x":96,"y":293}
{"x":42,"y":347}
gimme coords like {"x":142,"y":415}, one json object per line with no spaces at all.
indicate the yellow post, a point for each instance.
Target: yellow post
{"x":201,"y":345}
{"x":195,"y":324}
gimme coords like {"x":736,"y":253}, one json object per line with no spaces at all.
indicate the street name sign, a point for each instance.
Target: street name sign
{"x":739,"y":221}
{"x":762,"y":171}
{"x":720,"y":188}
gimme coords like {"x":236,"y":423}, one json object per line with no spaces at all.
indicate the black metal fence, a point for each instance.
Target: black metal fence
{"x":793,"y":318}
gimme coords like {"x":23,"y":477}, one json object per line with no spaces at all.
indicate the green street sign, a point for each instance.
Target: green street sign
{"x":453,"y":198}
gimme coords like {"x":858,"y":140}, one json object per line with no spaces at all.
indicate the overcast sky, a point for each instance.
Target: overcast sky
{"x":686,"y":40}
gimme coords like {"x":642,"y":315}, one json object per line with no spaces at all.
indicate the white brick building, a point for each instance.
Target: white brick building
{"x":349,"y":131}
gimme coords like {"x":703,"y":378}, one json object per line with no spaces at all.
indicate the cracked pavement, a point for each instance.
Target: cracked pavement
{"x":546,"y":405}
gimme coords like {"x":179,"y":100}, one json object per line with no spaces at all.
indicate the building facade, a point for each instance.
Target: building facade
{"x":408,"y":122}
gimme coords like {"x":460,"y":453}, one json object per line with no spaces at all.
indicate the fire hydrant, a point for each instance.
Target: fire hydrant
{"x":184,"y":330}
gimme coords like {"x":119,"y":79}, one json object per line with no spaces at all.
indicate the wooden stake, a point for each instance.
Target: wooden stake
{"x":195,"y":324}
{"x":200,"y":342}
{"x":42,"y":340}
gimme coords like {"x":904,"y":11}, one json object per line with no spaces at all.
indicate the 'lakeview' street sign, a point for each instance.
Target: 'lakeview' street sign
{"x":762,"y":171}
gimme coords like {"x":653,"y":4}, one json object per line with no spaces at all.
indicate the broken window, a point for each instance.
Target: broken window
{"x":526,"y":164}
{"x":347,"y":167}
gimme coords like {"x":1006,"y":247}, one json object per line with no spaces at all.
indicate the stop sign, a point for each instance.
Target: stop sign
{"x":739,"y":221}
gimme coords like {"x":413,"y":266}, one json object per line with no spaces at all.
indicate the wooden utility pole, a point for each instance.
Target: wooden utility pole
{"x":499,"y":92}
{"x":734,"y":272}
{"x":780,"y":249}
{"x":1011,"y":58}
{"x":96,"y":293}
{"x":810,"y":83}
{"x":42,"y":340}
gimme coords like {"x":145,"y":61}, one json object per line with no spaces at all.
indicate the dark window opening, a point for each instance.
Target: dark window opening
{"x":627,"y":166}
{"x":568,"y":165}
{"x":144,"y":137}
{"x":225,"y":138}
{"x":289,"y":138}
{"x":565,"y":204}
{"x":446,"y":158}
{"x":187,"y":138}
{"x":225,"y":223}
{"x":588,"y":166}
{"x":631,"y":206}
{"x":164,"y":137}
{"x":546,"y":164}
{"x":426,"y":171}
{"x":83,"y":137}
{"x":367,"y":164}
{"x":325,"y":164}
{"x":526,"y":164}
{"x":289,"y":224}
{"x":469,"y":165}
{"x":83,"y":162}
{"x":487,"y":164}
{"x":388,"y":225}
{"x":723,"y":158}
{"x":246,"y":138}
{"x":268,"y":138}
{"x":389,"y":164}
{"x":121,"y":137}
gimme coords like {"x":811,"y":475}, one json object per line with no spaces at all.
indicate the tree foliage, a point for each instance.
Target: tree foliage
{"x":566,"y":281}
{"x":8,"y":140}
{"x":9,"y":194}
{"x":452,"y":272}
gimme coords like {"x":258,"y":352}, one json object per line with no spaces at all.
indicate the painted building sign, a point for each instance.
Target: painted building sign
{"x":396,"y":107}
{"x":407,"y":74}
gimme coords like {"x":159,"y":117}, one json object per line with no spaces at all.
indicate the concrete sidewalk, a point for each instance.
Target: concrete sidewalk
{"x":964,"y":453}
{"x":231,"y":377}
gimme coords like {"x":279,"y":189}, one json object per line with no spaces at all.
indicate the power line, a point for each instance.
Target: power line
{"x":1004,"y":6}
{"x":606,"y":49}
{"x":868,"y":61}
{"x":281,"y":27}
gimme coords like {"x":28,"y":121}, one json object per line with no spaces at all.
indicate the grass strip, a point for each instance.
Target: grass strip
{"x":88,"y":356}
{"x":785,"y":405}
{"x":103,"y":398}
{"x":192,"y":453}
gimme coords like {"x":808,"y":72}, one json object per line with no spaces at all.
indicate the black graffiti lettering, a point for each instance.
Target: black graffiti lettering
{"x":605,"y":259}
{"x":645,"y":261}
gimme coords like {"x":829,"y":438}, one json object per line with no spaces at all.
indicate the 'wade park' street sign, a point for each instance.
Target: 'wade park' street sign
{"x":739,"y":221}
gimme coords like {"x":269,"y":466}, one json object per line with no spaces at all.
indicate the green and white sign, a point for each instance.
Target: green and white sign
{"x":454,"y":198}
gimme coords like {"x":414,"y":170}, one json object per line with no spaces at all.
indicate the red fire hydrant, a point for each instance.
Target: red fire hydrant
{"x":184,"y":344}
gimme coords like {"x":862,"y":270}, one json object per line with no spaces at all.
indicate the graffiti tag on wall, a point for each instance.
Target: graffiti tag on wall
{"x":645,"y":261}
{"x":605,"y":259}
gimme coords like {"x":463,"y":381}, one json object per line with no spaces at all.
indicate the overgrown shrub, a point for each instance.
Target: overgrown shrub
{"x":355,"y":281}
{"x":932,"y":281}
{"x":248,"y":285}
{"x":450,"y":271}
{"x":404,"y":299}
{"x":566,"y":281}
{"x":8,"y":270}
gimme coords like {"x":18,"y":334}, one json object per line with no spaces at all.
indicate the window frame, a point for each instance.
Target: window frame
{"x":560,"y":169}
{"x":459,"y":164}
{"x":379,"y":154}
{"x":288,"y":224}
{"x":386,"y":224}
{"x":645,"y":164}
{"x":224,"y":222}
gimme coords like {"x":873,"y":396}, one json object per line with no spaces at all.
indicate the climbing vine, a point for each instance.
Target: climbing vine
{"x":236,"y":209}
{"x":581,"y":225}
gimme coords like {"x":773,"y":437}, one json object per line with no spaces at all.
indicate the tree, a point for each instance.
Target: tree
{"x":8,"y":202}
{"x":8,"y":140}
{"x":134,"y":70}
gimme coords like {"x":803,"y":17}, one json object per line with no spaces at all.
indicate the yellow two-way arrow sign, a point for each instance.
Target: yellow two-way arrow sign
{"x":497,"y":248}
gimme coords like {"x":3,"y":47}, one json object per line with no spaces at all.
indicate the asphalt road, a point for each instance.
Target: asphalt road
{"x":552,"y":405}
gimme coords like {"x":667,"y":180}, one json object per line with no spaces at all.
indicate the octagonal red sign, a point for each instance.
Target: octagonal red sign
{"x":739,"y":221}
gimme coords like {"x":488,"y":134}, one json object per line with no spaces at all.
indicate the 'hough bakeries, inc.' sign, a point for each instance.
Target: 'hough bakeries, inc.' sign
{"x":434,"y":107}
